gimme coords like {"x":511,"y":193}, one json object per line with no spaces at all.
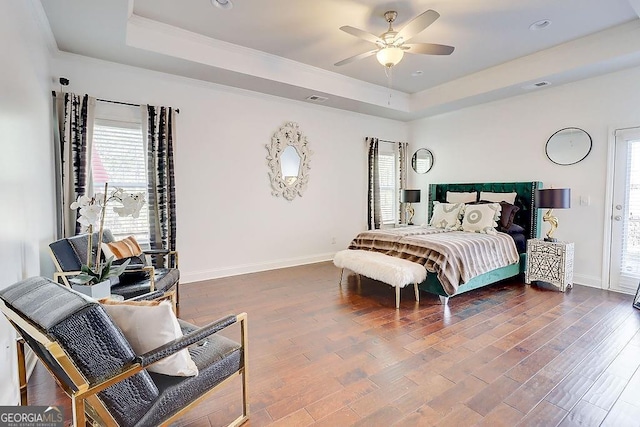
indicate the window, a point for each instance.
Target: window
{"x":388,"y":185}
{"x":119,"y":158}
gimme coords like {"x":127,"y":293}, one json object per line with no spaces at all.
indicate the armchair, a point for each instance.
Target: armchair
{"x":94,"y":364}
{"x":141,"y":277}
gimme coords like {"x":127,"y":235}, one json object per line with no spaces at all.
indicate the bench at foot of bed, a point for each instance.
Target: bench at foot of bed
{"x":393,"y":271}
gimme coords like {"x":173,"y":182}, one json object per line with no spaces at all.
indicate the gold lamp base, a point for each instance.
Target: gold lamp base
{"x":553,"y":221}
{"x":410,"y":213}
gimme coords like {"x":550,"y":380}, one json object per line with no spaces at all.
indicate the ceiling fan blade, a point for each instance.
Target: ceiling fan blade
{"x":360,"y":34}
{"x":418,"y":24}
{"x":429,"y":48}
{"x":356,"y":57}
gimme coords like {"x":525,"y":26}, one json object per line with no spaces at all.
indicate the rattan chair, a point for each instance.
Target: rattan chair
{"x":94,"y":364}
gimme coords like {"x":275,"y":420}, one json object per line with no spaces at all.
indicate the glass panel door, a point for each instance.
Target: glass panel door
{"x":625,"y":225}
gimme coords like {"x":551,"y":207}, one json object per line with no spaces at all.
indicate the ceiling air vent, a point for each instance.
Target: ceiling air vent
{"x":536,"y":85}
{"x":316,"y":98}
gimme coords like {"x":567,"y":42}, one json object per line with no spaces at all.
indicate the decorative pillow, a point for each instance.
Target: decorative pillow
{"x":446,"y":215}
{"x":121,"y":249}
{"x":148,"y":325}
{"x":481,"y":218}
{"x":498,"y":197}
{"x":507,"y":215}
{"x":453,"y":197}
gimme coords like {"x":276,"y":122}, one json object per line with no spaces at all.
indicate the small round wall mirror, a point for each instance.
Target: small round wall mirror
{"x":422,"y":160}
{"x":568,"y":146}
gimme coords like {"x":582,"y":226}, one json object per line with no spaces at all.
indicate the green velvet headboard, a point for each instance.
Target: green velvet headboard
{"x":526,"y":217}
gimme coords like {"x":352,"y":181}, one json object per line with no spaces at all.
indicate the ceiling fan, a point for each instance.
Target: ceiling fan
{"x":391,"y":45}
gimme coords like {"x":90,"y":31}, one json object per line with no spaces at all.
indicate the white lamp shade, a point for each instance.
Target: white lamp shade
{"x":390,"y":56}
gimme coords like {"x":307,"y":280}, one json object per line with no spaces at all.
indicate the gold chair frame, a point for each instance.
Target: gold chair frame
{"x":85,"y":404}
{"x":61,"y":276}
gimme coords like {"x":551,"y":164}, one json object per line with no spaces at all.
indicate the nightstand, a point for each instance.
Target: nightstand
{"x":550,"y":262}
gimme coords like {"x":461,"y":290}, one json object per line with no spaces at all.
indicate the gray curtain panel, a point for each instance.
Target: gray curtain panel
{"x":159,"y":133}
{"x":73,"y":117}
{"x":374,"y":211}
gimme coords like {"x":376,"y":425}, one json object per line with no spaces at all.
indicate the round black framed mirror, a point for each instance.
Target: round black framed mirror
{"x":568,"y":146}
{"x":422,"y":160}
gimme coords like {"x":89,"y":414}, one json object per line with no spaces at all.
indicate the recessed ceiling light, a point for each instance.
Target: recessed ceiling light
{"x":417,"y":73}
{"x":222,"y":4}
{"x":540,"y":25}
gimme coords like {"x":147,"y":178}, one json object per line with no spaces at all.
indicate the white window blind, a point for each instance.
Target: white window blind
{"x":119,"y":158}
{"x":630,"y":262}
{"x":388,"y":189}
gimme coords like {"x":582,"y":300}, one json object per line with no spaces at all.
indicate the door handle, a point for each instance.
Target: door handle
{"x":617,"y":218}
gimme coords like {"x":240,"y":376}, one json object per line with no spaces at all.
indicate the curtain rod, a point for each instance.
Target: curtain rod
{"x":390,"y":142}
{"x":125,"y":103}
{"x":65,"y":82}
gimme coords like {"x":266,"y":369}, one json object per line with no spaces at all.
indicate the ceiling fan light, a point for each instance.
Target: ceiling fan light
{"x":390,"y":56}
{"x":222,"y":4}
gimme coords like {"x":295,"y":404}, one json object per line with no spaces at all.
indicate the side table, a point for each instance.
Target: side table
{"x":550,"y":262}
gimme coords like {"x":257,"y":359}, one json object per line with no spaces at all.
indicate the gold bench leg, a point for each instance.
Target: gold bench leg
{"x":397,"y":297}
{"x":417,"y":291}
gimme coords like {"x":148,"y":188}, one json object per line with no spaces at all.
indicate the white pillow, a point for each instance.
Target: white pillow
{"x":498,"y":197}
{"x":481,"y":218}
{"x":453,"y":197}
{"x":148,"y":325}
{"x":446,"y":215}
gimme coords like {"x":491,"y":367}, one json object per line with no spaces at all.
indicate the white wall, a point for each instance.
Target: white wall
{"x":505,"y":141}
{"x":228,"y":221}
{"x":26,"y":189}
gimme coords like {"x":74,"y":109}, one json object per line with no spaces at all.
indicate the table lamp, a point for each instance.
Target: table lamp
{"x":410,"y":196}
{"x":552,"y":198}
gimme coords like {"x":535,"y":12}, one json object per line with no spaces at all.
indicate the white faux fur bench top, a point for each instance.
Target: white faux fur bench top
{"x":393,"y":271}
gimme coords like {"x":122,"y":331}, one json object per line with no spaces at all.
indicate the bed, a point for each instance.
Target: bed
{"x":408,"y":240}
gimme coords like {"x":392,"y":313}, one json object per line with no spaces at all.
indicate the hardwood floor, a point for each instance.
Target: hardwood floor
{"x":505,"y":355}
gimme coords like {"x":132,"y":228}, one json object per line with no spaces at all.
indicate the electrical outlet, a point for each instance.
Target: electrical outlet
{"x":333,"y":240}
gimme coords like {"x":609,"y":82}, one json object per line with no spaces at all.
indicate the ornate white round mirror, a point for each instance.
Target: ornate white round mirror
{"x":422,"y":160}
{"x":568,"y":146}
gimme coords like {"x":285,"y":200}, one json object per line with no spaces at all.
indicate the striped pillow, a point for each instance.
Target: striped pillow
{"x":125,"y":248}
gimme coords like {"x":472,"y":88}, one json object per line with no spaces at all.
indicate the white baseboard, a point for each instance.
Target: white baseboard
{"x":591,"y":281}
{"x":199,"y":276}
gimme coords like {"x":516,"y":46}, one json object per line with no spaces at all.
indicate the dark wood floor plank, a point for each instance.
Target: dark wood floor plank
{"x":493,"y":395}
{"x":545,"y":414}
{"x":329,"y":355}
{"x":502,"y":415}
{"x":570,"y":390}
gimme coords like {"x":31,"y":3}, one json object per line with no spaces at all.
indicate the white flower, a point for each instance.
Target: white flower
{"x":80,"y":202}
{"x":89,"y":215}
{"x":131,"y":205}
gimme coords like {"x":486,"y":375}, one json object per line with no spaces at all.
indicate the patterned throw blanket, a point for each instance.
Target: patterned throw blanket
{"x":455,"y":256}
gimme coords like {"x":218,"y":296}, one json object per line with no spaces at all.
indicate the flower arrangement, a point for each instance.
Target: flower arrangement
{"x":92,"y":212}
